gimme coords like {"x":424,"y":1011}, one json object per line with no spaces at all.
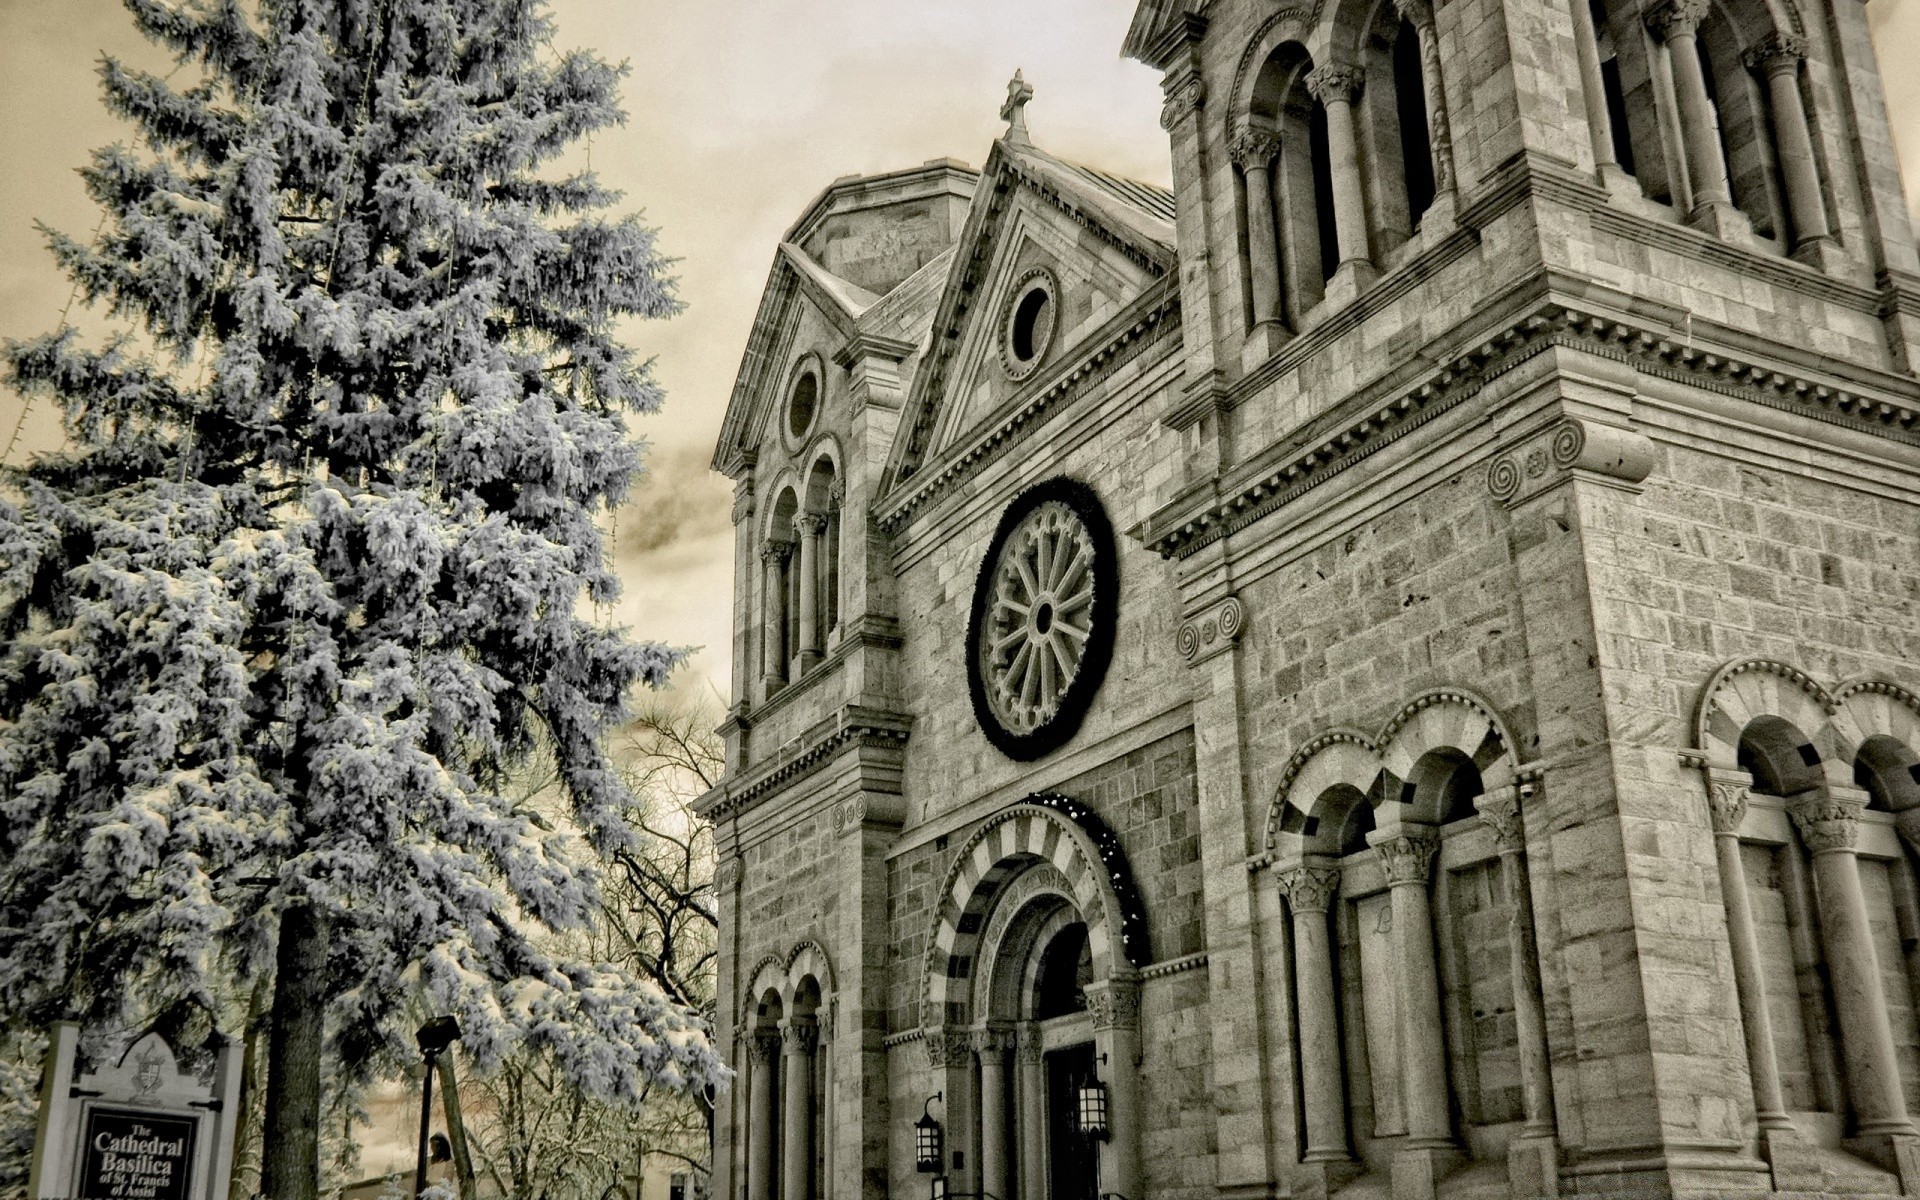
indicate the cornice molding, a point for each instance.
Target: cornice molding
{"x":852,"y":726}
{"x":1155,"y":317}
{"x":1212,"y":511}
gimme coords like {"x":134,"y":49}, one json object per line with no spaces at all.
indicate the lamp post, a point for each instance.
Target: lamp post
{"x":434,"y":1037}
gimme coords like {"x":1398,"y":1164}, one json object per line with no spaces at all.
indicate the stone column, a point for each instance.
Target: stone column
{"x":1794,"y":1168}
{"x":1115,"y":1003}
{"x":1593,"y":88}
{"x":1678,"y":23}
{"x":1439,"y":130}
{"x":996,"y":1179}
{"x":1407,"y":854}
{"x":1532,"y":1158}
{"x":1727,"y":805}
{"x":1253,"y":152}
{"x":1828,"y":821}
{"x":796,"y":1065}
{"x":1335,"y":86}
{"x":807,"y":528}
{"x":764,"y":1048}
{"x":773,"y":614}
{"x":1032,"y":1114}
{"x":1309,"y":890}
{"x":1778,"y":57}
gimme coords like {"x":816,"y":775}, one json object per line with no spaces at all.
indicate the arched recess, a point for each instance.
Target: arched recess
{"x":779,"y":618}
{"x":1391,"y":111}
{"x":1747,"y":690}
{"x":821,"y":501}
{"x":1336,"y":760}
{"x":1285,"y":183}
{"x":1043,"y":827}
{"x":1451,"y":724}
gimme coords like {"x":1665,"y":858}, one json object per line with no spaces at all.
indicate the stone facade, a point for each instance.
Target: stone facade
{"x":1503,"y":780}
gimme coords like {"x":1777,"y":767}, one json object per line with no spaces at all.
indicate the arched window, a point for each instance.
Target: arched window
{"x":1287,"y":199}
{"x":1393,"y":112}
{"x":778,"y":616}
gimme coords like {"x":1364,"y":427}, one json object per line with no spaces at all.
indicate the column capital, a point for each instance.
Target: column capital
{"x":1827,"y":821}
{"x":948,"y":1047}
{"x":1419,"y":12}
{"x":798,"y":1035}
{"x":1032,"y":1051}
{"x":1254,"y":148}
{"x":1307,"y":889}
{"x":775,"y":551}
{"x":764,"y":1047}
{"x":1407,"y":857}
{"x":1336,"y":82}
{"x":808,"y":524}
{"x":1115,"y":1003}
{"x":995,"y":1039}
{"x":1499,"y":811}
{"x":1778,"y":53}
{"x":1727,"y":803}
{"x":1677,"y":18}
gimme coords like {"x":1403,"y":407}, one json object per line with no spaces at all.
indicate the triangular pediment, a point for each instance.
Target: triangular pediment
{"x":797,"y":288}
{"x":1093,"y":241}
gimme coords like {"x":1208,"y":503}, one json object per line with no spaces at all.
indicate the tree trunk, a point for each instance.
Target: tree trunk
{"x":290,"y":1168}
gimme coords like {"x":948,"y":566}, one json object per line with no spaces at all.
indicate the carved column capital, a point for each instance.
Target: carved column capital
{"x":774,"y":552}
{"x":726,"y":876}
{"x":1308,"y":889}
{"x":1827,"y":821}
{"x":1031,"y":1049}
{"x":1253,"y":149}
{"x":991,"y":1040}
{"x":1335,"y":83}
{"x":1727,"y":804}
{"x":948,"y":1047}
{"x":1419,"y":12}
{"x":1407,"y":857}
{"x":1778,"y":53}
{"x":764,"y":1047}
{"x":1115,"y":1003}
{"x":798,"y":1035}
{"x":1677,"y":18}
{"x":1499,"y":810}
{"x":1212,"y":631}
{"x":809,"y":524}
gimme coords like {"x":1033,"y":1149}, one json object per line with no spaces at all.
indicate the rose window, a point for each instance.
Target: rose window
{"x":1043,"y":612}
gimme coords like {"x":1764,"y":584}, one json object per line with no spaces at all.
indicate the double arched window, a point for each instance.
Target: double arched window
{"x":800,"y":593}
{"x":1338,"y":162}
{"x":1704,"y":102}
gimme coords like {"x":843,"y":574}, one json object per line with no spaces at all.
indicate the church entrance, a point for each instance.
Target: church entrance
{"x":1070,"y":1157}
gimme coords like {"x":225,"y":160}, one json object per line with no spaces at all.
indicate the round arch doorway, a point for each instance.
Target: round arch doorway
{"x":1032,"y":990}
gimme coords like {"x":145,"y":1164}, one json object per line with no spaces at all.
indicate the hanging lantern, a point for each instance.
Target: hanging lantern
{"x":1090,"y":1109}
{"x":926,"y":1140}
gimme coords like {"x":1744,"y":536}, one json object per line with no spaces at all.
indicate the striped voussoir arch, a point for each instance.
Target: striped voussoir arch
{"x":1042,"y":828}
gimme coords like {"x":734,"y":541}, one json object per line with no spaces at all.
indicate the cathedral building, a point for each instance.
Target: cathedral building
{"x":1391,"y":669}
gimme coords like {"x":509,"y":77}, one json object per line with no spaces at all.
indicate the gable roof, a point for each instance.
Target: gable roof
{"x":1136,"y":218}
{"x":851,"y":309}
{"x":1159,"y":27}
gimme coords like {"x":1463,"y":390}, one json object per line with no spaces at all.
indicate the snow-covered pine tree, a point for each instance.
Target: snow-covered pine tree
{"x":303,"y":587}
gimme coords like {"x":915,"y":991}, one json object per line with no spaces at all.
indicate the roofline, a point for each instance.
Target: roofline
{"x":820,"y":205}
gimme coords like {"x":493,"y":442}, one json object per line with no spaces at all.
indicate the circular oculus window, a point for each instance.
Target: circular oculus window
{"x":1042,"y":627}
{"x":802,"y":403}
{"x":1027,"y":328}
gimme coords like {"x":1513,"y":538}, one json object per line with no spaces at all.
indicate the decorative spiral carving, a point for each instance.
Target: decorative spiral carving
{"x":1568,"y":441}
{"x":1503,"y":478}
{"x":1188,"y":640}
{"x":1233,"y":616}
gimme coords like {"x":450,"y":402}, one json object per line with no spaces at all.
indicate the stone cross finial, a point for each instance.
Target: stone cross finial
{"x":1014,"y":111}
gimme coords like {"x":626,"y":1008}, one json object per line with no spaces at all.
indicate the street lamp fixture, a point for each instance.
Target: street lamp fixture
{"x":1090,"y":1110}
{"x":927,"y":1144}
{"x":434,"y":1038}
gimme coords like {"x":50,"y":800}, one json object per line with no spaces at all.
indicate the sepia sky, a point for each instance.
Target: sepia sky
{"x":741,"y":110}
